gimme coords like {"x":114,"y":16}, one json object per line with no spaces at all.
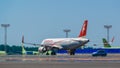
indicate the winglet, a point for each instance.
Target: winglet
{"x":22,"y":39}
{"x":84,"y":29}
{"x":112,"y":39}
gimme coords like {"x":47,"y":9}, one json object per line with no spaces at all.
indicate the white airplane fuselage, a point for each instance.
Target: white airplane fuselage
{"x":64,"y":43}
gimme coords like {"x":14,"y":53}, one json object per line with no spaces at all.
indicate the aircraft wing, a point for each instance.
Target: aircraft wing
{"x":29,"y":43}
{"x":32,"y":44}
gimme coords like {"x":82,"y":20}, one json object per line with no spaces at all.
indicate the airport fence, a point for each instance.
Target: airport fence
{"x":88,"y":51}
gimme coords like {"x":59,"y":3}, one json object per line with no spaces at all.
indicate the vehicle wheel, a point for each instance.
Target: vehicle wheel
{"x":104,"y":55}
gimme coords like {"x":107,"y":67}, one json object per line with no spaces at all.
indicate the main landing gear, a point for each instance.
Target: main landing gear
{"x":50,"y":52}
{"x":71,"y":52}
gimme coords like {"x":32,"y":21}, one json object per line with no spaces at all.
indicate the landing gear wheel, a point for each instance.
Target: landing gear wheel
{"x":47,"y":53}
{"x":53,"y":53}
{"x":72,"y":52}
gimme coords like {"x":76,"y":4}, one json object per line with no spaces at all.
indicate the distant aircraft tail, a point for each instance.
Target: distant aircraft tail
{"x":106,"y":44}
{"x":22,"y":39}
{"x":84,"y":29}
{"x":23,"y":49}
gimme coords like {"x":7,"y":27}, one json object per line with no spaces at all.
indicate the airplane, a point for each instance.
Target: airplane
{"x":108,"y":45}
{"x":69,"y":44}
{"x":105,"y":43}
{"x":24,"y":52}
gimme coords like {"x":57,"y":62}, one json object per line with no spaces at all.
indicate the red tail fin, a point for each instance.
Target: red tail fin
{"x":22,"y":39}
{"x":84,"y":29}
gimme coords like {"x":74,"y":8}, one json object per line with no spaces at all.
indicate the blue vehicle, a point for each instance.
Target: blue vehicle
{"x":99,"y":53}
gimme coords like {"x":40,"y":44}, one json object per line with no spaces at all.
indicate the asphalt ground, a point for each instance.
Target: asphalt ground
{"x":60,"y":61}
{"x":59,"y":58}
{"x":93,"y":64}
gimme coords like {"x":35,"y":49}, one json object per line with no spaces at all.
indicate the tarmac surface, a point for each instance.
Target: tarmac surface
{"x":60,"y":61}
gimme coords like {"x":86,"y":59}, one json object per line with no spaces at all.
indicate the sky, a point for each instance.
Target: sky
{"x":41,"y":19}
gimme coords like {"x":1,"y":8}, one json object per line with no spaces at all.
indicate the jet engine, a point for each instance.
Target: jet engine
{"x":42,"y":49}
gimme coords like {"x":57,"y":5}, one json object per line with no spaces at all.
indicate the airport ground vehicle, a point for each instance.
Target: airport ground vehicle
{"x":3,"y":53}
{"x":99,"y":53}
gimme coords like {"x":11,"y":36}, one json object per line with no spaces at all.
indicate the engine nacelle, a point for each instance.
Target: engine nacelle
{"x":42,"y":49}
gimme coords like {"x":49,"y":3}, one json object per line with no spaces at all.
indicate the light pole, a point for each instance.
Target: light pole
{"x":66,"y":31}
{"x":108,"y":27}
{"x":5,"y":36}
